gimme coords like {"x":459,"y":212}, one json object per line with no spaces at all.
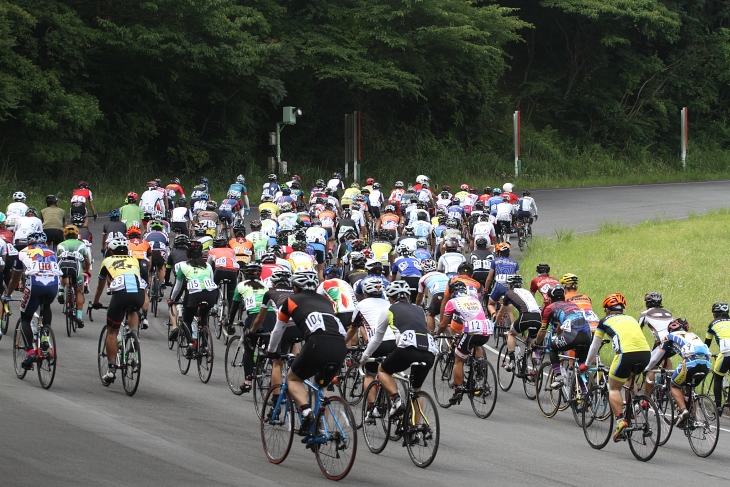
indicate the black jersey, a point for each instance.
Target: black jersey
{"x":276,"y":296}
{"x":313,"y":314}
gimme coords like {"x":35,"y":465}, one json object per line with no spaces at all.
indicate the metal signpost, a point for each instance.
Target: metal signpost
{"x":353,"y":152}
{"x":516,"y":124}
{"x":684,"y":123}
{"x":289,"y":117}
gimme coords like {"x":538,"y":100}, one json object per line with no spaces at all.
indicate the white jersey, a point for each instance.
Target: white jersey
{"x":359,"y":218}
{"x":26,"y":225}
{"x":181,"y":214}
{"x":200,"y":205}
{"x":317,"y":235}
{"x":15,"y":211}
{"x":376,"y":198}
{"x":370,"y":312}
{"x":504,"y":212}
{"x":449,"y":262}
{"x":469,"y":200}
{"x":484,"y":229}
{"x":287,"y":221}
{"x":152,"y":200}
{"x":336,"y":184}
{"x":657,"y":319}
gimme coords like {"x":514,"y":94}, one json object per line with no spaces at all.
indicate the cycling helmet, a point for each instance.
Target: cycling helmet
{"x":451,"y":245}
{"x":487,"y":190}
{"x":413,"y":199}
{"x":329,"y":191}
{"x":452,"y":223}
{"x":372,"y":286}
{"x":300,"y":205}
{"x":479,"y":205}
{"x":376,"y":186}
{"x":286,"y":208}
{"x":545,"y":269}
{"x":240,"y":179}
{"x":444,"y":195}
{"x":51,"y":200}
{"x":265,"y":214}
{"x":398,"y":290}
{"x":421,"y":205}
{"x":299,"y":245}
{"x":720,"y":308}
{"x":134,"y":230}
{"x":211,"y":205}
{"x":157,"y":215}
{"x":653,"y":299}
{"x":421,"y":244}
{"x":268,"y":257}
{"x":496,"y":191}
{"x":120,"y":244}
{"x":505,"y":198}
{"x":355,"y":185}
{"x":425,"y":185}
{"x":255,"y":225}
{"x":508,"y":187}
{"x":204,"y":196}
{"x":357,"y":245}
{"x":455,"y":202}
{"x":680,"y":324}
{"x":182,"y":202}
{"x":464,"y":187}
{"x":369,"y":181}
{"x":329,"y":206}
{"x":428,"y":265}
{"x":83,"y":185}
{"x":481,"y":242}
{"x":305,"y":280}
{"x":296,"y":184}
{"x":114,"y":214}
{"x":316,"y":222}
{"x":525,"y":193}
{"x":374,"y":266}
{"x":36,"y":238}
{"x":71,"y":231}
{"x":403,"y":250}
{"x":457,"y":288}
{"x":32,"y":211}
{"x":336,"y":175}
{"x":502,"y":247}
{"x":556,"y":293}
{"x":78,"y":219}
{"x":131,"y":197}
{"x":203,"y":181}
{"x":358,"y":259}
{"x":281,"y":276}
{"x":220,"y":241}
{"x":515,"y":280}
{"x":18,"y":196}
{"x":399,"y":184}
{"x":389,"y":209}
{"x":232,"y":195}
{"x":152,"y":184}
{"x":447,"y":188}
{"x":267,"y":198}
{"x":409,"y":231}
{"x":252,"y":270}
{"x":568,"y":280}
{"x":194,"y":250}
{"x":350,"y":234}
{"x":441,"y":211}
{"x":181,"y":241}
{"x":296,"y":178}
{"x":614,"y":302}
{"x":383,"y":234}
{"x":421,"y":179}
{"x":175,"y":181}
{"x":286,"y":191}
{"x":272,"y":177}
{"x":200,"y":228}
{"x":332,"y":271}
{"x":157,"y":225}
{"x":473,"y":190}
{"x":484,"y":217}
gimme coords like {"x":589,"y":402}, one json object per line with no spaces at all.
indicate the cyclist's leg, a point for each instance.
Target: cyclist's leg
{"x":722,"y":365}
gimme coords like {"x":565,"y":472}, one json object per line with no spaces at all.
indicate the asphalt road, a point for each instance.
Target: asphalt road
{"x":178,"y":431}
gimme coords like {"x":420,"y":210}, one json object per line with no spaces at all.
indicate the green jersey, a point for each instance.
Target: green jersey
{"x":252,"y":298}
{"x":73,"y":249}
{"x":131,"y":215}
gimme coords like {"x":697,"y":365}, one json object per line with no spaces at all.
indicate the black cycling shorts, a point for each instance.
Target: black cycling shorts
{"x":434,"y":308}
{"x":120,"y":302}
{"x":318,"y":350}
{"x":346,"y":318}
{"x":54,"y":236}
{"x":413,"y":283}
{"x":467,"y":343}
{"x":157,"y":259}
{"x":292,"y":335}
{"x":527,"y":321}
{"x":319,"y":256}
{"x":579,"y":341}
{"x":402,"y":358}
{"x":179,"y":227}
{"x":383,"y":350}
{"x":144,"y":270}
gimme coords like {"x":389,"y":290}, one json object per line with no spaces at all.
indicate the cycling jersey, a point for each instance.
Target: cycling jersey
{"x":301,"y":261}
{"x":26,"y":225}
{"x":131,"y":215}
{"x":270,"y":228}
{"x":584,"y":303}
{"x":421,"y":254}
{"x":504,"y":267}
{"x":222,"y":258}
{"x":288,"y":221}
{"x":382,"y":251}
{"x":165,"y":227}
{"x":543,"y":283}
{"x":81,"y":195}
{"x":467,"y":312}
{"x":198,"y":191}
{"x":173,"y":190}
{"x":504,"y":211}
{"x":484,"y":229}
{"x":151,"y":200}
{"x":39,"y":264}
{"x":343,"y":225}
{"x":181,"y":214}
{"x":455,"y":211}
{"x":72,"y":249}
{"x":123,"y":272}
{"x":624,"y":332}
{"x":228,"y":208}
{"x":158,"y":241}
{"x":407,"y":267}
{"x":685,"y":344}
{"x":368,"y":313}
{"x":481,"y":261}
{"x":251,"y":298}
{"x":449,"y":263}
{"x":317,"y":235}
{"x":720,"y":330}
{"x":311,"y":313}
{"x":566,"y":316}
{"x":527,"y":204}
{"x":238,"y":188}
{"x":340,"y":293}
{"x":522,"y":300}
{"x":408,"y":324}
{"x":436,"y":282}
{"x":657,"y":319}
{"x":272,"y":207}
{"x":139,"y":249}
{"x":389,"y":221}
{"x":270,"y":189}
{"x":195,"y":280}
{"x":327,"y":217}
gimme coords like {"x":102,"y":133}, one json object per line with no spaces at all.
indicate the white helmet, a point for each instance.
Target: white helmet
{"x":508,"y":187}
{"x":422,"y":179}
{"x":398,"y":289}
{"x":157,"y":215}
{"x":240,"y":179}
{"x":118,"y":243}
{"x":18,"y":195}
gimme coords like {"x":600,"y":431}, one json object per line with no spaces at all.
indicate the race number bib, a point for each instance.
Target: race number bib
{"x":315,"y":321}
{"x":194,"y":286}
{"x":220,"y":262}
{"x":567,"y":325}
{"x":725,"y":345}
{"x":250,"y":302}
{"x":209,"y":284}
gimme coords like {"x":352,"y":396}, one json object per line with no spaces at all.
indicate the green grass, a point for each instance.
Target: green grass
{"x":686,"y":261}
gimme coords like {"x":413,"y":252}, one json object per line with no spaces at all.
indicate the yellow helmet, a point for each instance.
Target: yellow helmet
{"x":71,"y":230}
{"x":569,"y":280}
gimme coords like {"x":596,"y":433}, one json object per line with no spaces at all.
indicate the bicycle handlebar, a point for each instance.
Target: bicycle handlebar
{"x":90,"y":308}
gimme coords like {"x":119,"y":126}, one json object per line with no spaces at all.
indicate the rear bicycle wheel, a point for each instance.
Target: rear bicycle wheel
{"x":262,"y":380}
{"x":352,"y":386}
{"x":484,"y":394}
{"x":505,"y":378}
{"x":336,"y":454}
{"x":422,"y":430}
{"x":48,"y":356}
{"x":277,"y":424}
{"x":223,"y":316}
{"x":528,"y":381}
{"x":215,"y":318}
{"x":155,"y":292}
{"x":101,"y":356}
{"x":4,"y":323}
{"x":704,"y":428}
{"x":234,"y":366}
{"x":374,"y":417}
{"x":67,"y":310}
{"x":20,"y":351}
{"x":665,"y":406}
{"x":644,"y":435}
{"x":597,"y":417}
{"x":521,"y":238}
{"x":183,"y":362}
{"x":205,"y":354}
{"x":132,"y":364}
{"x":548,"y":399}
{"x":443,"y":379}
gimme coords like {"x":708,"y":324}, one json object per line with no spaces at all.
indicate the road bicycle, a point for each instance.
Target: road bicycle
{"x":332,"y":437}
{"x":202,"y":344}
{"x":480,"y":379}
{"x":526,"y":366}
{"x":418,"y":425}
{"x":708,"y":387}
{"x":219,"y":315}
{"x":640,"y":412}
{"x":43,"y":348}
{"x":235,"y":374}
{"x":154,"y":290}
{"x":524,"y":232}
{"x":129,"y":353}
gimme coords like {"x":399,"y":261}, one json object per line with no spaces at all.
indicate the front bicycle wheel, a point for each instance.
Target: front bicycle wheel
{"x":234,"y":365}
{"x":205,"y":354}
{"x":352,"y":386}
{"x":504,"y":377}
{"x":132,"y":367}
{"x":597,"y":417}
{"x":665,"y":406}
{"x":338,"y":447}
{"x":484,"y":389}
{"x":528,"y":380}
{"x":262,"y":380}
{"x":277,"y":424}
{"x":422,"y":430}
{"x":577,"y":400}
{"x":548,"y":399}
{"x":154,"y":292}
{"x":48,"y":357}
{"x":183,"y":362}
{"x":20,"y":351}
{"x":704,"y":428}
{"x":644,"y":435}
{"x":375,"y":420}
{"x":443,"y":382}
{"x":215,"y":318}
{"x":101,"y":356}
{"x":67,"y":311}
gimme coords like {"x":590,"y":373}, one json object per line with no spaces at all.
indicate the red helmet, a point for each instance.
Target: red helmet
{"x":464,"y":187}
{"x":298,"y":178}
{"x":83,"y":185}
{"x":133,"y":230}
{"x":369,"y":181}
{"x":131,"y":197}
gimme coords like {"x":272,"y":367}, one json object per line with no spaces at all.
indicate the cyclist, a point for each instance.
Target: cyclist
{"x":719,"y":328}
{"x":389,"y":222}
{"x":152,"y":199}
{"x":81,"y":196}
{"x":526,"y":208}
{"x":420,"y":181}
{"x":181,"y":218}
{"x":376,"y":200}
{"x":357,"y":271}
{"x":336,"y":184}
{"x":242,"y":247}
{"x":70,"y":254}
{"x":631,"y":349}
{"x":505,"y":216}
{"x":484,"y":229}
{"x":502,"y":267}
{"x":40,"y":266}
{"x":450,"y":261}
{"x":270,"y":188}
{"x":159,"y":245}
{"x":657,"y":319}
{"x":112,"y":227}
{"x":341,"y":294}
{"x":174,"y":190}
{"x":570,"y":331}
{"x":421,"y":253}
{"x":529,"y":315}
{"x":121,"y":271}
{"x":317,"y":237}
{"x":407,"y":268}
{"x":230,"y":208}
{"x":200,"y":234}
{"x":194,"y":278}
{"x":436,"y":284}
{"x":324,"y":339}
{"x":25,"y":225}
{"x":131,"y":214}
{"x":141,"y":250}
{"x":54,"y":221}
{"x":15,"y":210}
{"x":382,"y":248}
{"x":299,"y":260}
{"x":544,"y":281}
{"x":481,"y":260}
{"x":508,"y":188}
{"x":240,"y":192}
{"x":695,"y":357}
{"x":201,"y":191}
{"x":465,"y":311}
{"x":414,"y":343}
{"x":464,"y":274}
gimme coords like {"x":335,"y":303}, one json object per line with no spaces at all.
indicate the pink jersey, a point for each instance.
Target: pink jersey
{"x":467,"y":310}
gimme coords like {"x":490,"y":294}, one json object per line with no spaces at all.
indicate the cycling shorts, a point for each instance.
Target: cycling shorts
{"x":383,"y":350}
{"x":434,"y":308}
{"x":346,"y":318}
{"x":527,"y":321}
{"x":523,"y":214}
{"x":71,"y":270}
{"x":413,"y":283}
{"x":179,"y":227}
{"x":54,"y":236}
{"x":144,"y":270}
{"x":158,"y":259}
{"x":722,"y":364}
{"x":232,"y":276}
{"x":292,"y":335}
{"x":118,"y":305}
{"x":498,"y":291}
{"x":467,"y":343}
{"x":225,"y":216}
{"x":318,"y":350}
{"x":579,"y":341}
{"x":625,"y":363}
{"x":402,"y":358}
{"x":480,"y":277}
{"x":33,"y":294}
{"x":687,"y":369}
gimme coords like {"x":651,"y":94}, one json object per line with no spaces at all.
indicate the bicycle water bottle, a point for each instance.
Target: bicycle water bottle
{"x":194,"y":327}
{"x":255,"y":354}
{"x":119,"y":338}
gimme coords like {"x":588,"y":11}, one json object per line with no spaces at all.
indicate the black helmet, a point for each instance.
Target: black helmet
{"x":720,"y":308}
{"x":220,"y":241}
{"x":252,"y":270}
{"x":543,"y":269}
{"x":195,"y":249}
{"x":181,"y":241}
{"x":653,"y":299}
{"x":456,"y":288}
{"x":51,"y":200}
{"x":556,"y":293}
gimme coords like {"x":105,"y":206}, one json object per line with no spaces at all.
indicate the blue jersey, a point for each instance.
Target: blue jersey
{"x":270,"y":189}
{"x":438,"y":230}
{"x":421,"y":254}
{"x":199,"y":190}
{"x":40,"y":265}
{"x":407,"y":266}
{"x":287,"y":199}
{"x":567,"y":316}
{"x":492,"y":204}
{"x":238,"y":188}
{"x":687,"y":345}
{"x":455,"y":211}
{"x":157,"y":240}
{"x":503,"y":267}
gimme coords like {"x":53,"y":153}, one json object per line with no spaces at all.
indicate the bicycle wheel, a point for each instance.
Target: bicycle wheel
{"x":155,"y":291}
{"x":215,"y":318}
{"x":101,"y":356}
{"x":261,"y":381}
{"x":4,"y":324}
{"x":521,"y":238}
{"x":704,"y":428}
{"x":224,"y":316}
{"x":644,"y":434}
{"x":528,"y":380}
{"x":336,"y":453}
{"x":234,"y":366}
{"x":375,"y":420}
{"x":20,"y":352}
{"x":548,"y":399}
{"x":577,"y":400}
{"x":277,"y":424}
{"x":597,"y":417}
{"x":67,"y":311}
{"x":47,"y":359}
{"x":205,"y":354}
{"x":443,"y":379}
{"x":182,"y":347}
{"x":484,"y":394}
{"x":564,"y":402}
{"x":170,"y":341}
{"x":665,"y":406}
{"x":352,"y":386}
{"x":504,"y":377}
{"x":423,"y":429}
{"x":132,"y":367}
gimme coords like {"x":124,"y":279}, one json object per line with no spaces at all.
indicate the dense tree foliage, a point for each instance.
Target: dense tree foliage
{"x":187,"y":84}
